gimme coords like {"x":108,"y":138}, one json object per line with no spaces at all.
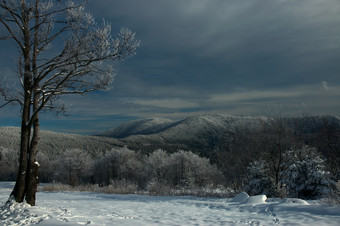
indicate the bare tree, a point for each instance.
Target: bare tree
{"x":77,"y":64}
{"x":276,"y":137}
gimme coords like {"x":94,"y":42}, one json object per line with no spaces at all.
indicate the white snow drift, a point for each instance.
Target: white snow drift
{"x":76,"y":208}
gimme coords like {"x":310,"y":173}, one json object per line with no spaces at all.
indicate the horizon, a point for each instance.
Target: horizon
{"x":203,"y":57}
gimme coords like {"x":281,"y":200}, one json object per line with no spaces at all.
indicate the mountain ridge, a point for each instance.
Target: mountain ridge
{"x":137,"y":127}
{"x":201,"y":134}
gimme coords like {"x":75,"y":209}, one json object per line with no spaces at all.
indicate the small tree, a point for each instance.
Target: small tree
{"x":186,"y":169}
{"x":304,"y":174}
{"x":260,"y":180}
{"x":276,"y":137}
{"x":76,"y":65}
{"x":157,"y":166}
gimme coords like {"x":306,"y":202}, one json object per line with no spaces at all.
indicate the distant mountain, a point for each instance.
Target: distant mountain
{"x":205,"y":133}
{"x":139,"y":127}
{"x":193,"y":133}
{"x":201,"y":134}
{"x":158,"y":125}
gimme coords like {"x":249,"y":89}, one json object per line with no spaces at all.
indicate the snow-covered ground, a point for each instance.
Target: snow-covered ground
{"x":76,"y":208}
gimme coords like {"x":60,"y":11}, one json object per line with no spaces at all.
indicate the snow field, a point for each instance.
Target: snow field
{"x":76,"y":208}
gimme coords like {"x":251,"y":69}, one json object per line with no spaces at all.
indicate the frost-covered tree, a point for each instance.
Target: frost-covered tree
{"x":260,"y":180}
{"x":46,"y":174}
{"x":276,"y":138}
{"x":118,"y":164}
{"x":61,"y":50}
{"x":186,"y":169}
{"x":8,"y":163}
{"x":73,"y":166}
{"x":157,"y":165}
{"x":304,"y":174}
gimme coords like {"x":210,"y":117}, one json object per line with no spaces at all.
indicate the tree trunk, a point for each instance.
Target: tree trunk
{"x":32,"y":164}
{"x":32,"y":179}
{"x":19,"y":190}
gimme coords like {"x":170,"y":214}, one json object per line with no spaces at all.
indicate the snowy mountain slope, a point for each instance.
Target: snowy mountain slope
{"x":77,"y":208}
{"x":207,"y":123}
{"x":157,"y":125}
{"x":204,"y":134}
{"x":201,"y":134}
{"x":139,"y":127}
{"x":192,"y":133}
{"x":52,"y":143}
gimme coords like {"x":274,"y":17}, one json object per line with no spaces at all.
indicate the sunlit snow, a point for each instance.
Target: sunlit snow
{"x":76,"y":208}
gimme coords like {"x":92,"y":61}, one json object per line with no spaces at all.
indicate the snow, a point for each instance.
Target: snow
{"x":257,"y":199}
{"x":77,"y":208}
{"x":241,"y":197}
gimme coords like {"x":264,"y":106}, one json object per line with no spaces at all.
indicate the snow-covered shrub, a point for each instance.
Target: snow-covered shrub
{"x":260,"y":181}
{"x":304,"y":174}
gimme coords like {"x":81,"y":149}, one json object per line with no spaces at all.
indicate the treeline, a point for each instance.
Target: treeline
{"x":300,"y":173}
{"x":154,"y":172}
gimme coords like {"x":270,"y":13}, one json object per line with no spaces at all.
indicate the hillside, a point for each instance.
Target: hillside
{"x":196,"y":133}
{"x":139,"y":127}
{"x":53,"y":143}
{"x":201,"y":134}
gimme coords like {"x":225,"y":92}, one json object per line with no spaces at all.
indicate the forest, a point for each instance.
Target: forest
{"x":276,"y":156}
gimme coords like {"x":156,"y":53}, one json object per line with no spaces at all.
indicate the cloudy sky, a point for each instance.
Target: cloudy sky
{"x":249,"y":57}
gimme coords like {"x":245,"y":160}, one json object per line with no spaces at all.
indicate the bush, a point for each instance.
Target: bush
{"x":304,"y":174}
{"x":260,"y":181}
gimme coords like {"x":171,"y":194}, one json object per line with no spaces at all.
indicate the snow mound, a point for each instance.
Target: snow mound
{"x":257,"y":199}
{"x":13,"y":213}
{"x":244,"y":198}
{"x":295,"y":201}
{"x":241,"y":197}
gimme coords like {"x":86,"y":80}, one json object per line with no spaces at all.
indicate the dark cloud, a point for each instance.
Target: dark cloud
{"x":221,"y":56}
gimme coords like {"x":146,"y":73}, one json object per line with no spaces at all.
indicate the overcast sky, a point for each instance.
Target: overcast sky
{"x":244,"y":57}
